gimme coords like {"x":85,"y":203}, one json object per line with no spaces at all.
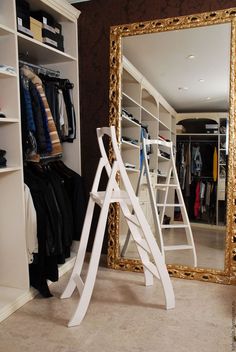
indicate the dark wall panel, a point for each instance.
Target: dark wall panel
{"x":94,"y":24}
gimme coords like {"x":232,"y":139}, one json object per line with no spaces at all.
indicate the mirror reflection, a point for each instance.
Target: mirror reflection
{"x":175,"y":88}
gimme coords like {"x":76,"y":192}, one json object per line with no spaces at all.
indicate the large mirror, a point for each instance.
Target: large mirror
{"x":174,"y":79}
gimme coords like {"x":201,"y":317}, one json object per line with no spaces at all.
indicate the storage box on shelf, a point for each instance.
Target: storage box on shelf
{"x":14,"y":282}
{"x":40,"y":24}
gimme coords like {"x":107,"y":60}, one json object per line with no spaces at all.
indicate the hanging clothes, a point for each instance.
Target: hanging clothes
{"x":30,"y":225}
{"x":74,"y":187}
{"x":60,"y":99}
{"x":197,"y":203}
{"x":196,"y":161}
{"x":215,"y":161}
{"x":55,"y":142}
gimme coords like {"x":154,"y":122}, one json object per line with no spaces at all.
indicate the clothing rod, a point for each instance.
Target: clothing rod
{"x":199,"y":141}
{"x":39,"y":67}
{"x":200,"y":177}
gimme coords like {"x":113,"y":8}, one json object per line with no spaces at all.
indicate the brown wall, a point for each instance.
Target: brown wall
{"x":94,"y":24}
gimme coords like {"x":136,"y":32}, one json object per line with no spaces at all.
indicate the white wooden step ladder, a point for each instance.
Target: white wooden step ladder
{"x":158,"y":209}
{"x":150,"y":255}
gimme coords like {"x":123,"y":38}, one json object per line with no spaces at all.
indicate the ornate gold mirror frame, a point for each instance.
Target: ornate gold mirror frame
{"x":228,"y":275}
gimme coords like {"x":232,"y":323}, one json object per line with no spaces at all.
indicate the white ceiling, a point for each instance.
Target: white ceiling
{"x":162,"y":59}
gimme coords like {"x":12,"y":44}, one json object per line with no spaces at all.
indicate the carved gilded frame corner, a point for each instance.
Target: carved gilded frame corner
{"x":228,"y":275}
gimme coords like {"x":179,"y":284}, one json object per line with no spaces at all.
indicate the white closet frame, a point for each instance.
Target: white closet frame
{"x":149,"y":107}
{"x":14,"y":277}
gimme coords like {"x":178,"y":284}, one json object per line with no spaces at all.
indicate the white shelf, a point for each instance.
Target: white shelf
{"x":41,"y":53}
{"x":128,"y":101}
{"x":163,"y":127}
{"x":60,"y":11}
{"x":127,"y":122}
{"x":9,"y":169}
{"x":8,"y":120}
{"x":4,"y":30}
{"x":128,"y":145}
{"x":162,"y":175}
{"x":163,"y":158}
{"x":130,"y":170}
{"x":148,"y":116}
{"x":7,"y":75}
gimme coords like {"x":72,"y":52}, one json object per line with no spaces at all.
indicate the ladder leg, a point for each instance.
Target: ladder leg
{"x":163,"y":272}
{"x":188,"y":230}
{"x":75,"y":276}
{"x":81,"y":251}
{"x":157,"y":257}
{"x":135,"y":231}
{"x":126,"y":243}
{"x":162,"y":210}
{"x":91,"y":274}
{"x":95,"y":255}
{"x":127,"y":239}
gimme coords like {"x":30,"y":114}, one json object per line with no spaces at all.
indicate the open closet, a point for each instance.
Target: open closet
{"x":47,"y":43}
{"x":201,"y":158}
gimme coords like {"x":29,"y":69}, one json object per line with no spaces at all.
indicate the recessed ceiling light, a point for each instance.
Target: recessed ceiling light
{"x":190,"y":57}
{"x":208,"y":98}
{"x":201,"y":80}
{"x":182,"y":88}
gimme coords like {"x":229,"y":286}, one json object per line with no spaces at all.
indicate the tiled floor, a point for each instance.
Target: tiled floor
{"x":209,"y":243}
{"x":126,"y":316}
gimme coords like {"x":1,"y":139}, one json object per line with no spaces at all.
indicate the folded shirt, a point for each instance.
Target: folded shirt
{"x":6,"y":68}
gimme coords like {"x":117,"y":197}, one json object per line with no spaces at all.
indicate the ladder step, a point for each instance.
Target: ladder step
{"x":79,"y":283}
{"x":133,"y":219}
{"x":143,"y":244}
{"x":178,"y":247}
{"x":174,"y":226}
{"x":152,"y":268}
{"x":166,"y":185}
{"x":116,"y":196}
{"x":170,"y":205}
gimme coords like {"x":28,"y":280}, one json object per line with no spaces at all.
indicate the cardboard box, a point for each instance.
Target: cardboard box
{"x":36,"y":28}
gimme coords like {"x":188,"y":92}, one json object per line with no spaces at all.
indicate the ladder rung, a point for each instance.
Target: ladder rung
{"x":178,"y":247}
{"x":79,"y":283}
{"x":116,"y":197}
{"x":133,"y":219}
{"x":169,"y":205}
{"x":166,"y":185}
{"x":174,"y":226}
{"x":142,"y":243}
{"x":152,"y":268}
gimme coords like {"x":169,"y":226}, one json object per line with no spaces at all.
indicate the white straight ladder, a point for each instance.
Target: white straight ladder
{"x":158,"y":209}
{"x":150,"y":255}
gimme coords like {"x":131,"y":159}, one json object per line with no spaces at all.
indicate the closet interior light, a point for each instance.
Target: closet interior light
{"x":182,"y":88}
{"x":190,"y":57}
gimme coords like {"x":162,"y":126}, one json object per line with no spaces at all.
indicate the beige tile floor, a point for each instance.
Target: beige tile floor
{"x":209,"y":243}
{"x":125,"y":316}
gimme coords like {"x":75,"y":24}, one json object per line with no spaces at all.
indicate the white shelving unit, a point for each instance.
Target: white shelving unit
{"x":146,"y":108}
{"x":14,"y":278}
